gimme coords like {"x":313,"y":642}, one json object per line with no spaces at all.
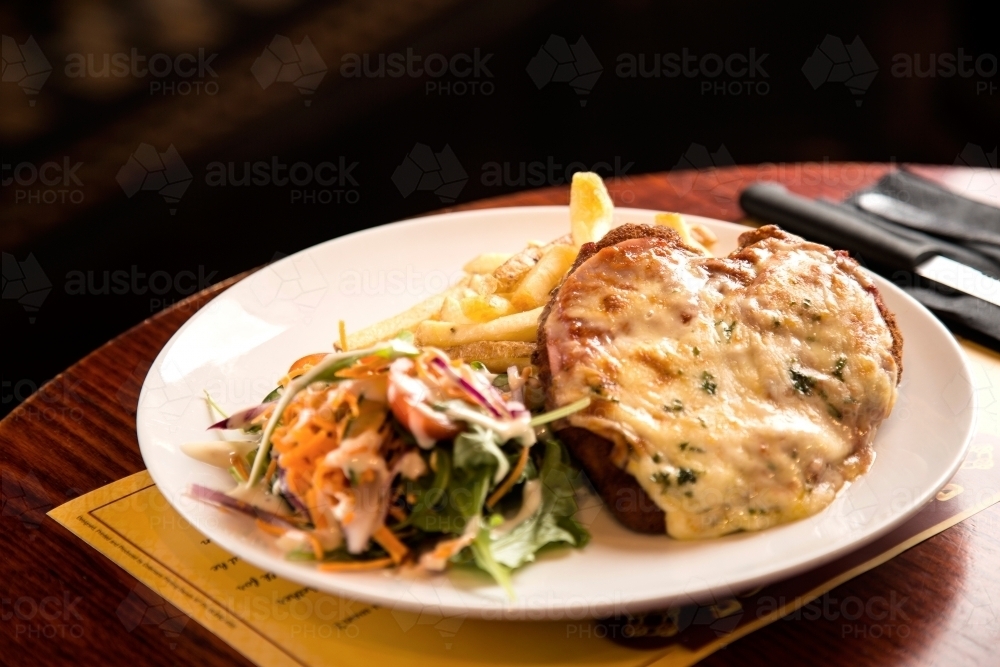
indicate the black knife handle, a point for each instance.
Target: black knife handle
{"x":772,"y":202}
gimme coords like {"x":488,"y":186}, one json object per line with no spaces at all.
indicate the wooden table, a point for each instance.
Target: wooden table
{"x":60,"y":597}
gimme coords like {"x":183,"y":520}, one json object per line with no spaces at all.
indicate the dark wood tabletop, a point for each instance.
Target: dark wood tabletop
{"x":60,"y":597}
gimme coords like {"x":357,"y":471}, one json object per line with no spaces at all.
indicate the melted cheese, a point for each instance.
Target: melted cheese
{"x":741,"y":392}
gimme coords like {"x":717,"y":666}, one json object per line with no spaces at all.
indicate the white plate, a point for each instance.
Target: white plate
{"x":241,"y":342}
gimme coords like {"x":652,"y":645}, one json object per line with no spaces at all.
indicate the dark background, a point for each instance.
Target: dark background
{"x":89,"y":226}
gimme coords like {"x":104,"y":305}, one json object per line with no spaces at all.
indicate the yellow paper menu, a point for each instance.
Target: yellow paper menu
{"x":274,"y":622}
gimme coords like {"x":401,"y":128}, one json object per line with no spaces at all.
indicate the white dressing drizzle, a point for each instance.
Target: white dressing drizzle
{"x":516,"y":428}
{"x":259,"y":496}
{"x":412,"y":465}
{"x":531,"y":503}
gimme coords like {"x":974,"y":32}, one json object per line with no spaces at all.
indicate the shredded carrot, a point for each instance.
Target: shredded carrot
{"x":305,"y":363}
{"x":237,"y":462}
{"x":352,"y":402}
{"x":319,"y":518}
{"x":325,"y":424}
{"x":343,"y":335}
{"x":316,"y":546}
{"x":511,"y":480}
{"x":311,"y":504}
{"x":297,"y":481}
{"x":262,"y":418}
{"x":388,"y":541}
{"x":284,"y":439}
{"x":356,"y":565}
{"x":316,"y":500}
{"x":281,"y":443}
{"x":355,"y":372}
{"x":365,"y":367}
{"x":317,"y":445}
{"x":269,"y":529}
{"x":301,"y":366}
{"x":421,"y":367}
{"x":333,"y":477}
{"x":271,"y":467}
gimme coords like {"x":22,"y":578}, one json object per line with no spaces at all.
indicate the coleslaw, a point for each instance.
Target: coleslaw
{"x":398,"y":456}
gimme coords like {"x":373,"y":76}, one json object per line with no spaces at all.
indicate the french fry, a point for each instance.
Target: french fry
{"x":502,"y":295}
{"x":703,"y":235}
{"x":516,"y":327}
{"x":497,"y":356}
{"x":483,"y":285}
{"x":452,"y":311}
{"x":510,"y":273}
{"x":591,"y":212}
{"x":407,"y":320}
{"x":543,"y":277}
{"x":488,"y":262}
{"x":676,"y":222}
{"x":481,"y":308}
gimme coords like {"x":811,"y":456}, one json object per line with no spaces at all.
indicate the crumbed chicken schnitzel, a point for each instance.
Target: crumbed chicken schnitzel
{"x":728,"y":394}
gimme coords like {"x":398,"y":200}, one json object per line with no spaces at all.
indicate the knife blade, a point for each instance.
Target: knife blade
{"x":837,"y":228}
{"x":916,"y":218}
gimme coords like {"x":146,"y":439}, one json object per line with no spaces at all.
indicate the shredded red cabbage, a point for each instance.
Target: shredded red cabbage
{"x":288,"y":494}
{"x":242,"y":418}
{"x":211,"y":496}
{"x":467,"y":386}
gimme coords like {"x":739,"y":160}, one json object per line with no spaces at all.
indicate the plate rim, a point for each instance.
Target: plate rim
{"x":584,"y":608}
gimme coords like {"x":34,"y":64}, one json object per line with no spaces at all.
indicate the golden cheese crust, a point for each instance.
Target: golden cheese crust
{"x":735,"y":393}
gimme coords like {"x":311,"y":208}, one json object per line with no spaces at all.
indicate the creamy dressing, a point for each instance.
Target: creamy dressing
{"x":292,"y":540}
{"x":516,"y":384}
{"x":359,"y":514}
{"x":412,"y":466}
{"x":261,"y":497}
{"x":370,"y":388}
{"x":360,"y":511}
{"x":357,"y":455}
{"x":297,"y":540}
{"x":416,"y":394}
{"x":423,"y":440}
{"x":516,"y":428}
{"x":530,"y":504}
